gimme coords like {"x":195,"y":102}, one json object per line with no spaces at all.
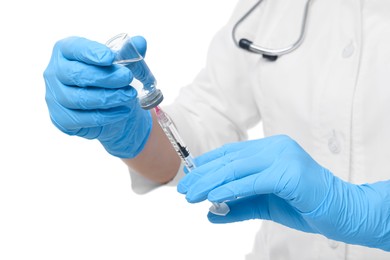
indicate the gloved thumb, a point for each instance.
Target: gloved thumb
{"x":140,"y":44}
{"x":245,"y":208}
{"x":267,"y":207}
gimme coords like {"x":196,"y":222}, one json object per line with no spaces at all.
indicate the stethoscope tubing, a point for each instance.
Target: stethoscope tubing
{"x":255,"y":48}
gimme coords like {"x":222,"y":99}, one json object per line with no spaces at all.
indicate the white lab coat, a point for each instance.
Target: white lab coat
{"x":332,"y":95}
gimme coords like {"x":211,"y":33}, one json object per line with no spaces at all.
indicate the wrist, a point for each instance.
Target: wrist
{"x":354,"y":214}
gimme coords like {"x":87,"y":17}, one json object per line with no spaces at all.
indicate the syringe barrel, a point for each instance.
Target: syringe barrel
{"x":174,"y":138}
{"x":127,"y":55}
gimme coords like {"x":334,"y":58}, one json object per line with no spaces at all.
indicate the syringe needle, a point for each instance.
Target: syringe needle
{"x":173,"y":135}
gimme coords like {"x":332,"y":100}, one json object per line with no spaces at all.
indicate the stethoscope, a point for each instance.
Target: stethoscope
{"x":270,"y":54}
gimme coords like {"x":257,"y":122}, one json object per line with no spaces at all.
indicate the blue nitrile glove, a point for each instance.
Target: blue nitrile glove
{"x":89,"y":96}
{"x":275,"y":179}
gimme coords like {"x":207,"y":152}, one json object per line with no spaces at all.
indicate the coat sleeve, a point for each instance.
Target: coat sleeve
{"x":219,"y":106}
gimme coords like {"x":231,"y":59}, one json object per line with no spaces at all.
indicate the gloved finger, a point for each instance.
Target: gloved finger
{"x":73,"y":64}
{"x":266,"y":207}
{"x":259,"y":145}
{"x":193,"y":176}
{"x":221,"y":151}
{"x":243,"y":187}
{"x":88,"y":98}
{"x":88,"y":133}
{"x":269,"y":180}
{"x":250,"y":158}
{"x":254,"y":207}
{"x":229,"y":168}
{"x":71,"y":120}
{"x":140,"y":43}
{"x":84,"y":50}
{"x":85,"y":75}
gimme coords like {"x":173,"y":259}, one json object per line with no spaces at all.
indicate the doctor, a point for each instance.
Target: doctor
{"x":320,"y":178}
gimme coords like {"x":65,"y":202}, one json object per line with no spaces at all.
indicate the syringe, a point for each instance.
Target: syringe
{"x":182,"y":150}
{"x":150,"y":97}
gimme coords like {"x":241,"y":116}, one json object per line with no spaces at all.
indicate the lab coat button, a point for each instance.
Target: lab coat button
{"x":333,"y":244}
{"x":334,"y":145}
{"x":348,"y":50}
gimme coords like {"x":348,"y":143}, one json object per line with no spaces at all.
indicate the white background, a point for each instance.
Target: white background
{"x":64,"y":197}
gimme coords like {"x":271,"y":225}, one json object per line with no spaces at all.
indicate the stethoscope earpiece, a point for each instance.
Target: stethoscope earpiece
{"x":245,"y":44}
{"x":270,"y":57}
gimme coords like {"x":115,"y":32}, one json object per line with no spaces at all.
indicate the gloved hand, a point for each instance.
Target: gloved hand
{"x":275,"y":179}
{"x":89,"y":96}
